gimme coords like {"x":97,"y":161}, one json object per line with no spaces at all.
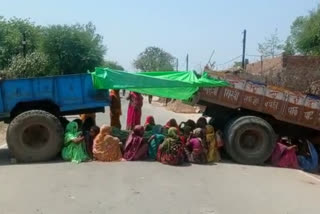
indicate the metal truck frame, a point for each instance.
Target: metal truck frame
{"x":252,"y":115}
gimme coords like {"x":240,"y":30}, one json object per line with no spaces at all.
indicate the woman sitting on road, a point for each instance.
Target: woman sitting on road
{"x":149,"y":124}
{"x":155,"y":140}
{"x":213,"y":152}
{"x":106,"y":147}
{"x":307,"y":156}
{"x":74,"y":148}
{"x":284,"y":155}
{"x":171,"y":151}
{"x":201,"y":123}
{"x":196,"y":148}
{"x":172,"y":123}
{"x":136,"y":148}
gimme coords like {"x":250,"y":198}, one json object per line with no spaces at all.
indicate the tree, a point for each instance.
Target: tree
{"x":288,"y":48}
{"x":113,"y":65}
{"x":154,"y":59}
{"x":305,"y":33}
{"x":32,"y":65}
{"x":237,"y":64}
{"x":73,"y":49}
{"x":12,"y":34}
{"x":271,"y":46}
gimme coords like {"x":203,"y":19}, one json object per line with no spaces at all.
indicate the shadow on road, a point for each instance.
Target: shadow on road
{"x":5,"y":159}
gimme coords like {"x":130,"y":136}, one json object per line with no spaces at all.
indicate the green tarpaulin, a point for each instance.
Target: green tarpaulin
{"x":171,"y":84}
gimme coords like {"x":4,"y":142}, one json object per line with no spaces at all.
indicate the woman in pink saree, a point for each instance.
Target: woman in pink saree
{"x":136,"y":148}
{"x":134,"y":110}
{"x":284,"y":155}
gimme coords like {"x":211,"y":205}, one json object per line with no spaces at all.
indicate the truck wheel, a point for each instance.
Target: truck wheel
{"x":35,"y":136}
{"x":249,"y":140}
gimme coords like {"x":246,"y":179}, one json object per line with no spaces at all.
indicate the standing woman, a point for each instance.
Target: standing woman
{"x":134,"y":110}
{"x":115,"y":109}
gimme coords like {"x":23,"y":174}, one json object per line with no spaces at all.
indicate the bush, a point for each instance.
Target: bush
{"x":35,"y":64}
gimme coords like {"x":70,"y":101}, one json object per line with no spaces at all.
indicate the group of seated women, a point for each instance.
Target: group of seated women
{"x":171,"y":144}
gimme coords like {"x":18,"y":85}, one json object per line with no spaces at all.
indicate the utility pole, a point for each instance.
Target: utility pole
{"x":177,"y":64}
{"x":187,"y":62}
{"x":24,"y":44}
{"x":244,"y":49}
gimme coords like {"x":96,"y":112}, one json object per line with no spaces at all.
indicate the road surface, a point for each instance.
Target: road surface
{"x":150,"y":187}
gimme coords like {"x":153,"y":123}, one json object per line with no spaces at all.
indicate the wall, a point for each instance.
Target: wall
{"x":270,"y":65}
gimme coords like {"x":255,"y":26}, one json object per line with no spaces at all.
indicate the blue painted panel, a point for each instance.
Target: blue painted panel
{"x":69,"y":92}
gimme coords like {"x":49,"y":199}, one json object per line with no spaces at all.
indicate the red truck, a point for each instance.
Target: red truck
{"x":252,"y":115}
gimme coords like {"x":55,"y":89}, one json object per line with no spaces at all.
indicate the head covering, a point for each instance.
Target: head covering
{"x":187,"y":130}
{"x":71,"y":132}
{"x":191,"y":124}
{"x":149,"y":120}
{"x":138,"y":130}
{"x":172,"y":123}
{"x":104,"y":130}
{"x":202,"y":122}
{"x":114,"y":92}
{"x":173,"y":132}
{"x":72,"y":128}
{"x":197,"y":132}
{"x":209,"y":129}
{"x":157,"y":129}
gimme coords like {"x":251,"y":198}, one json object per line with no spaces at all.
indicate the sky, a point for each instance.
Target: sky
{"x":180,"y":27}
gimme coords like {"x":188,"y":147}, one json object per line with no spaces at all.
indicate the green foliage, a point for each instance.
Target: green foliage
{"x":305,"y":33}
{"x":73,"y":49}
{"x":154,"y":59}
{"x":237,"y":64}
{"x":113,"y":65}
{"x":288,"y":48}
{"x":271,"y":46}
{"x":11,"y":37}
{"x":57,"y":49}
{"x":33,"y":65}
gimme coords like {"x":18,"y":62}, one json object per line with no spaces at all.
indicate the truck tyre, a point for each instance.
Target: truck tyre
{"x":35,"y":136}
{"x":249,"y":140}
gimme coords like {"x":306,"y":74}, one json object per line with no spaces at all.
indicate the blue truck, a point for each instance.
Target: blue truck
{"x":34,"y":107}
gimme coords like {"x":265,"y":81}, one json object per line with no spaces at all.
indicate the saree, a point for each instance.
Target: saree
{"x":154,"y":142}
{"x":284,"y":156}
{"x":71,"y":151}
{"x":149,"y":124}
{"x":171,"y":150}
{"x":135,"y":148}
{"x":106,"y":147}
{"x":134,"y":110}
{"x":309,"y":163}
{"x":195,"y":148}
{"x":115,"y":109}
{"x":213,"y":152}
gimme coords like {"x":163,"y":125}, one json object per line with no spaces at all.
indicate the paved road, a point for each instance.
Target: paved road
{"x":150,"y":187}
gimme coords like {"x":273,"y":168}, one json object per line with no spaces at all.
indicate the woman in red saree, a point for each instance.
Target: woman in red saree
{"x":134,"y":110}
{"x":136,"y":148}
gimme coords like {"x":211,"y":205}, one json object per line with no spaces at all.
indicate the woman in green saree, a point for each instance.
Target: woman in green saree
{"x":74,"y":148}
